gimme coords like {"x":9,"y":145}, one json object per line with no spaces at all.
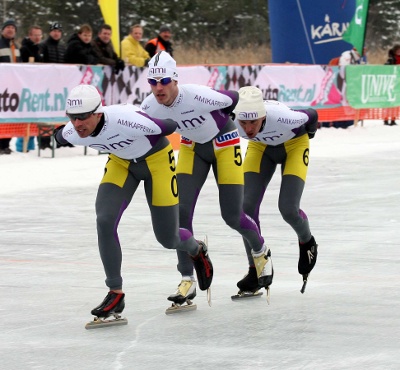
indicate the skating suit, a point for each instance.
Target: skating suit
{"x":282,"y":140}
{"x":209,"y":139}
{"x":139,"y":151}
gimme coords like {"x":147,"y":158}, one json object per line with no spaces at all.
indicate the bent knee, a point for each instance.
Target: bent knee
{"x":290,"y":214}
{"x":232,"y":221}
{"x":105,"y":221}
{"x":168,"y":243}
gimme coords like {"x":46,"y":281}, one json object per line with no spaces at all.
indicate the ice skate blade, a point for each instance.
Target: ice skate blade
{"x":98,"y":323}
{"x":209,"y":296}
{"x":268,"y":295}
{"x":242,"y":295}
{"x":305,"y":280}
{"x":176,"y":308}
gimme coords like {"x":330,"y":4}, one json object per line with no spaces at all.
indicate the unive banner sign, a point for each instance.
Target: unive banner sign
{"x":373,"y":86}
{"x":310,"y":32}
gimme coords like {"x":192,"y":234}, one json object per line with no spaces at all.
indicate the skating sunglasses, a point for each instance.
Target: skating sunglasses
{"x":81,"y":116}
{"x":163,"y":81}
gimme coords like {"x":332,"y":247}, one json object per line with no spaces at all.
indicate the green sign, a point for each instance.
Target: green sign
{"x":373,"y":86}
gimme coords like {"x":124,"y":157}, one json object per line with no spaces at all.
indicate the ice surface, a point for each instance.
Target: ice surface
{"x":51,"y":275}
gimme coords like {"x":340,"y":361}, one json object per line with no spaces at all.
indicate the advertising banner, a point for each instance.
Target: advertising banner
{"x":371,"y":86}
{"x":38,"y":93}
{"x":138,"y":87}
{"x":309,"y":32}
{"x":296,"y":86}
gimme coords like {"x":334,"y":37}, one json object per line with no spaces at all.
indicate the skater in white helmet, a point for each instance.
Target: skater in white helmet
{"x":139,"y":151}
{"x":277,"y":135}
{"x":209,"y":140}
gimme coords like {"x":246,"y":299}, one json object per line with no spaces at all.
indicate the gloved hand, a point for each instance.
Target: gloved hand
{"x":311,"y":134}
{"x":119,"y":66}
{"x":57,"y":133}
{"x":312,"y":124}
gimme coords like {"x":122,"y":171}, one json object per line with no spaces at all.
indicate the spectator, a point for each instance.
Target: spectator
{"x":53,"y":51}
{"x":348,"y":57}
{"x":394,"y":55}
{"x":79,"y":47}
{"x":53,"y":48}
{"x":9,"y":53}
{"x":364,"y":58}
{"x":30,"y":52}
{"x":30,"y":46}
{"x":161,"y":42}
{"x":132,"y":50}
{"x":393,"y":58}
{"x":104,"y":49}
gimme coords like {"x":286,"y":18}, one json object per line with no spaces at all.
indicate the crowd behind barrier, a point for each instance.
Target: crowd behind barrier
{"x":32,"y":94}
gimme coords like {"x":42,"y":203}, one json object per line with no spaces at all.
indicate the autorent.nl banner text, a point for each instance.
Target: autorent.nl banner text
{"x":38,"y":92}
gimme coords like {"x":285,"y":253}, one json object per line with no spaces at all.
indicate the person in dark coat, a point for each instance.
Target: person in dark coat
{"x":53,"y":48}
{"x":9,"y":53}
{"x":30,"y":53}
{"x":30,"y":46}
{"x":79,"y":47}
{"x":52,"y":51}
{"x":393,"y":58}
{"x":104,"y":49}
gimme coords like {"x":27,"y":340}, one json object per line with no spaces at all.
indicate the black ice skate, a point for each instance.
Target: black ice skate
{"x":250,"y":281}
{"x":248,"y":286}
{"x":203,"y":267}
{"x":112,"y":305}
{"x":182,"y":298}
{"x":308,"y":253}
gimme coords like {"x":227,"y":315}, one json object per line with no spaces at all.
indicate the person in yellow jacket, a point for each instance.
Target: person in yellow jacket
{"x":132,"y":52}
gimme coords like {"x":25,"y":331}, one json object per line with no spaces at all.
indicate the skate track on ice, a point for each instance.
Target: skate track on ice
{"x":51,"y":275}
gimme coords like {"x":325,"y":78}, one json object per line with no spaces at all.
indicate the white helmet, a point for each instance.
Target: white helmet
{"x":84,"y":99}
{"x":162,"y":65}
{"x":250,"y":105}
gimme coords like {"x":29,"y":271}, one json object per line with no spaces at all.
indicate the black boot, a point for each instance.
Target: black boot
{"x":308,"y":256}
{"x":203,"y":267}
{"x":250,"y":282}
{"x":114,"y":303}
